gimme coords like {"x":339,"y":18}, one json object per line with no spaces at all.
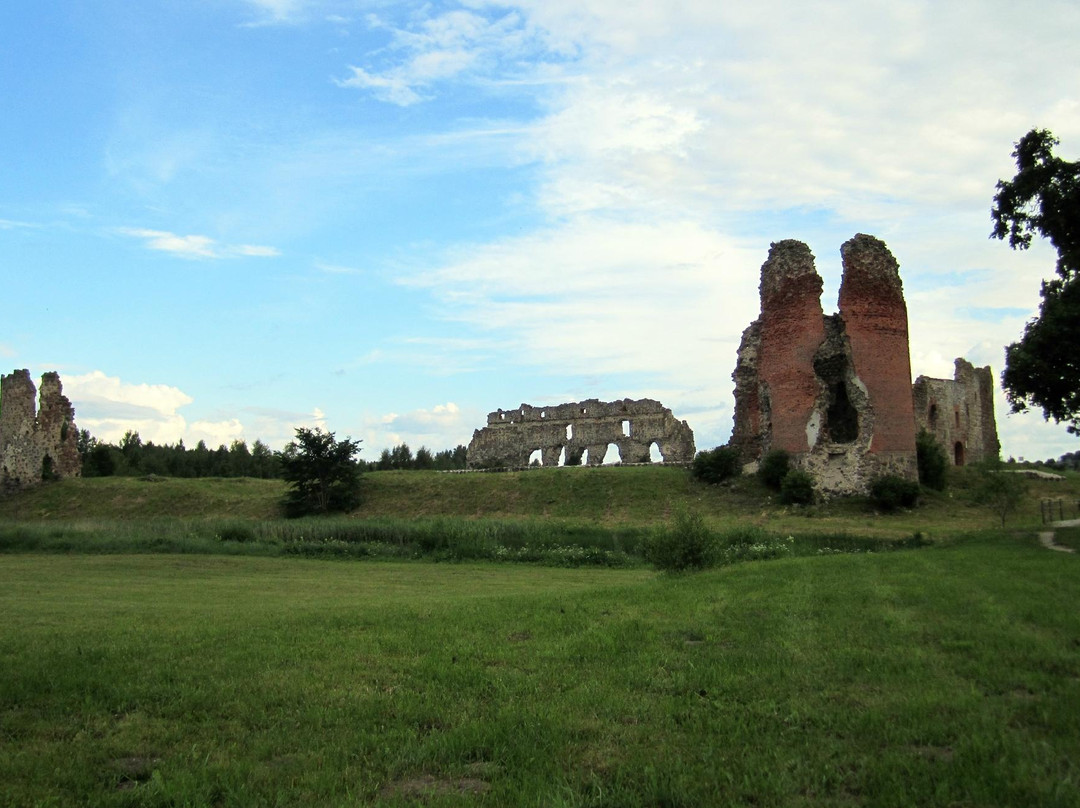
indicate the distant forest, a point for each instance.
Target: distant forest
{"x":132,"y":457}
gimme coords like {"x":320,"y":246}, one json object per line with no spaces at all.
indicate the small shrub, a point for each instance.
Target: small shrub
{"x":797,"y":488}
{"x":931,"y":460}
{"x":236,"y":532}
{"x":686,"y":544}
{"x":891,"y":492}
{"x":774,"y":467}
{"x":713,"y":466}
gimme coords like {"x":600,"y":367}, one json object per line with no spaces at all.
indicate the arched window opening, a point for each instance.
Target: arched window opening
{"x":562,"y":457}
{"x":931,"y":416}
{"x":956,"y":412}
{"x":611,"y":456}
{"x":958,"y":453}
{"x":654,"y":453}
{"x":536,"y":458}
{"x":569,"y":431}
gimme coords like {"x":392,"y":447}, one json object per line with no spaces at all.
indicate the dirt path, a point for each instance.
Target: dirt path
{"x":1046,"y":537}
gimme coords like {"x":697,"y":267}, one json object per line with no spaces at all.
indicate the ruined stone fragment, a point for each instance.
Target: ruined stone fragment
{"x":36,"y":442}
{"x":959,"y":413}
{"x":578,"y":432}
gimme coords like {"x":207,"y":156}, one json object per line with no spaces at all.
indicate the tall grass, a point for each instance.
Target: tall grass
{"x":442,"y":539}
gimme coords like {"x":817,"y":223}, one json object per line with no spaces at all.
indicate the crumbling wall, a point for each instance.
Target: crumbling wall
{"x":577,"y":431}
{"x":959,"y":413}
{"x":832,"y":390}
{"x":37,"y":442}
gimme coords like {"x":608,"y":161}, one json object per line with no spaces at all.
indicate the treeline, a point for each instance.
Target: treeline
{"x":401,"y":457}
{"x":133,"y":457}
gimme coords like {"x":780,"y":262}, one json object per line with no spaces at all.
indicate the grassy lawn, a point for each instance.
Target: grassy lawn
{"x":941,"y":676}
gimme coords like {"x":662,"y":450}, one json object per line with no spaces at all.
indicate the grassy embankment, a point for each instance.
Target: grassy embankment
{"x":606,"y":512}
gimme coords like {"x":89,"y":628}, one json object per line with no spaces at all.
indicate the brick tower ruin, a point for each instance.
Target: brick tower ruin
{"x":832,"y":390}
{"x":36,"y":442}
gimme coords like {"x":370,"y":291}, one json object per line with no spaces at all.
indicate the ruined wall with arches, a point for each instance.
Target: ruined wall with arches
{"x":581,"y":432}
{"x":959,"y":413}
{"x":38,"y":437}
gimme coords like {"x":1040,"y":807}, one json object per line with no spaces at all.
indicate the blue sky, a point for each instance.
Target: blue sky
{"x":222,"y":219}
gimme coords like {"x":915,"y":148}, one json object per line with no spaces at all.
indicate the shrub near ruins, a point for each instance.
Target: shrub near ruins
{"x":774,"y":467}
{"x":716,"y":465}
{"x":891,"y":492}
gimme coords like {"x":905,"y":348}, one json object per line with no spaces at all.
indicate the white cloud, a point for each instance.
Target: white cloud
{"x":196,"y":247}
{"x":11,"y":224}
{"x":441,"y":47}
{"x":7,"y":351}
{"x":443,"y":426}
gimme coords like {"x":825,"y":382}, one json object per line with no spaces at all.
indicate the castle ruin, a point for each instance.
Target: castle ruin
{"x":959,"y":413}
{"x":834,"y":391}
{"x":565,"y":433}
{"x":38,"y":438}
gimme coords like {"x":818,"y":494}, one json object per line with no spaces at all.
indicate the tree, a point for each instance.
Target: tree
{"x":1043,"y":368}
{"x":931,"y":460}
{"x":322,"y":473}
{"x":713,"y":466}
{"x":1001,"y":491}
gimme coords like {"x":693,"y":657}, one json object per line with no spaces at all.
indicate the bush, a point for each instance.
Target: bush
{"x":774,"y":467}
{"x":932,"y":461}
{"x":713,"y":466}
{"x":891,"y":492}
{"x":685,"y":544}
{"x":797,"y":488}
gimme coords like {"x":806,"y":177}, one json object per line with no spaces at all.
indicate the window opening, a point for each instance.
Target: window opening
{"x":958,"y":453}
{"x":626,"y":429}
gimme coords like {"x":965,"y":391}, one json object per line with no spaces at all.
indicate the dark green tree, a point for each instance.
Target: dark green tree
{"x":932,"y":461}
{"x":1043,"y":368}
{"x":424,"y":459}
{"x":713,"y":466}
{"x":322,"y":473}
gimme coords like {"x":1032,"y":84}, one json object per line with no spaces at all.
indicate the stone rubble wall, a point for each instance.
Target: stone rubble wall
{"x":38,"y":437}
{"x":578,"y":431}
{"x":959,"y":411}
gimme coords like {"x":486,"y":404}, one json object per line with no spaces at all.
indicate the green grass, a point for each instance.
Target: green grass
{"x":634,"y":497}
{"x":947,"y":676}
{"x":1068,"y":537}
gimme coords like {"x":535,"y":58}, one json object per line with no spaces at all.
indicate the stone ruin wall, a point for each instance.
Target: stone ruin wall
{"x":834,"y":391}
{"x":584,"y":429}
{"x":959,"y":413}
{"x":37,"y":440}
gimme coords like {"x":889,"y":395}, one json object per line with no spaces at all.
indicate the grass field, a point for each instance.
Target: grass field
{"x":135,"y":676}
{"x":942,"y":676}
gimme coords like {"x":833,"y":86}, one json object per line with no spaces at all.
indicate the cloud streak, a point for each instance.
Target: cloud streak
{"x":196,"y":247}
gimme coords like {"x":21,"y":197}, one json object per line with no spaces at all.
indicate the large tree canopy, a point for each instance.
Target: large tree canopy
{"x":1043,"y":368}
{"x":322,"y":473}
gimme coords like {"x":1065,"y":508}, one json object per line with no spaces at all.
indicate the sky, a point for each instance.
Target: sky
{"x":224,"y":219}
